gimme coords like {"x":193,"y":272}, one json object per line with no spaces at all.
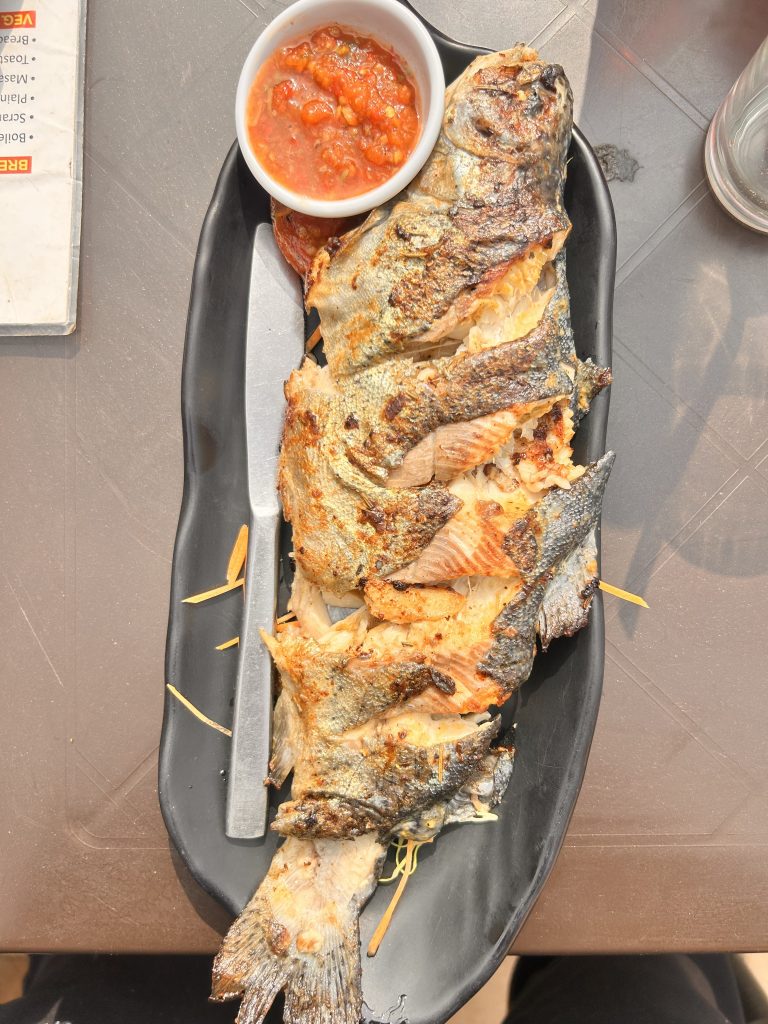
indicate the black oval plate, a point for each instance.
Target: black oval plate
{"x":476,"y":885}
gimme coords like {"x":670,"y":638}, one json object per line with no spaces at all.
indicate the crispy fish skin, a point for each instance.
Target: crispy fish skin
{"x":355,"y":769}
{"x":542,"y":539}
{"x":482,"y":792}
{"x":333,"y":695}
{"x":391,"y":781}
{"x":489,"y":199}
{"x":550,"y":530}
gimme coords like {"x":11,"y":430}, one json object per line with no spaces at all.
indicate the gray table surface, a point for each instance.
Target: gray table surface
{"x":667,"y":849}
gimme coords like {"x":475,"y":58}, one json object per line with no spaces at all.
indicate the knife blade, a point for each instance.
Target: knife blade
{"x":274,"y":347}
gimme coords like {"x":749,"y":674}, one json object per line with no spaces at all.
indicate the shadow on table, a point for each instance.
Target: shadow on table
{"x":690,"y":312}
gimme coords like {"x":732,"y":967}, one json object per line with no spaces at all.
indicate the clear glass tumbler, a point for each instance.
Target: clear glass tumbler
{"x":736,"y":152}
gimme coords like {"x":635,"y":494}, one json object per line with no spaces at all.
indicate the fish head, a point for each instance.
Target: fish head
{"x":513,"y":106}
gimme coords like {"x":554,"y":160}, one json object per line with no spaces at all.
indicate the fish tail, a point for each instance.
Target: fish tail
{"x":300,"y":934}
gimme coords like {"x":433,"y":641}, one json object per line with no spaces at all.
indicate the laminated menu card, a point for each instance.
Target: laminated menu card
{"x":42,"y":48}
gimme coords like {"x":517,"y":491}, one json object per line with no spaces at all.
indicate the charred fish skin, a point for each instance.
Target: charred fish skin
{"x":488,"y":198}
{"x":481,"y":793}
{"x":332,"y":696}
{"x":355,"y":771}
{"x":510,"y":655}
{"x":561,"y":520}
{"x":370,"y":786}
{"x":464,"y":387}
{"x":542,"y":542}
{"x":300,"y":932}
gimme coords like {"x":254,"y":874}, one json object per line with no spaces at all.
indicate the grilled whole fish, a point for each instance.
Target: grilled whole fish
{"x":488,"y":205}
{"x":439,"y":525}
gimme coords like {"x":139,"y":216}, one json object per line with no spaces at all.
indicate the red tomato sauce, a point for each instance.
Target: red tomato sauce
{"x":333,"y":115}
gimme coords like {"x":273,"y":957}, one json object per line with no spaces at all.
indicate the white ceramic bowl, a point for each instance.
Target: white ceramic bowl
{"x":391,"y":24}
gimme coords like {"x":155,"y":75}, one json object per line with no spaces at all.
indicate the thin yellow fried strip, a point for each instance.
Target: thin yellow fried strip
{"x":198,"y":714}
{"x":237,"y":558}
{"x":623,"y":594}
{"x":234,"y":642}
{"x":315,"y":337}
{"x":216,"y":592}
{"x":383,"y":925}
{"x":400,"y":847}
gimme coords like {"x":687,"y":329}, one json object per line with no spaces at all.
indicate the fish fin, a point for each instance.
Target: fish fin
{"x":283,"y":729}
{"x":482,"y":791}
{"x":551,"y":531}
{"x":568,"y":597}
{"x":590,"y":381}
{"x":300,"y":933}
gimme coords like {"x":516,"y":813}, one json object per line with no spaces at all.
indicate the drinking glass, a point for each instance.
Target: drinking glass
{"x":736,"y":153}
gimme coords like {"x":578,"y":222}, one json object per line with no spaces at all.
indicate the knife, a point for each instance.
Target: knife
{"x":274,"y":347}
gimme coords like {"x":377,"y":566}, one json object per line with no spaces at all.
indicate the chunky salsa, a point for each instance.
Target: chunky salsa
{"x":333,"y":115}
